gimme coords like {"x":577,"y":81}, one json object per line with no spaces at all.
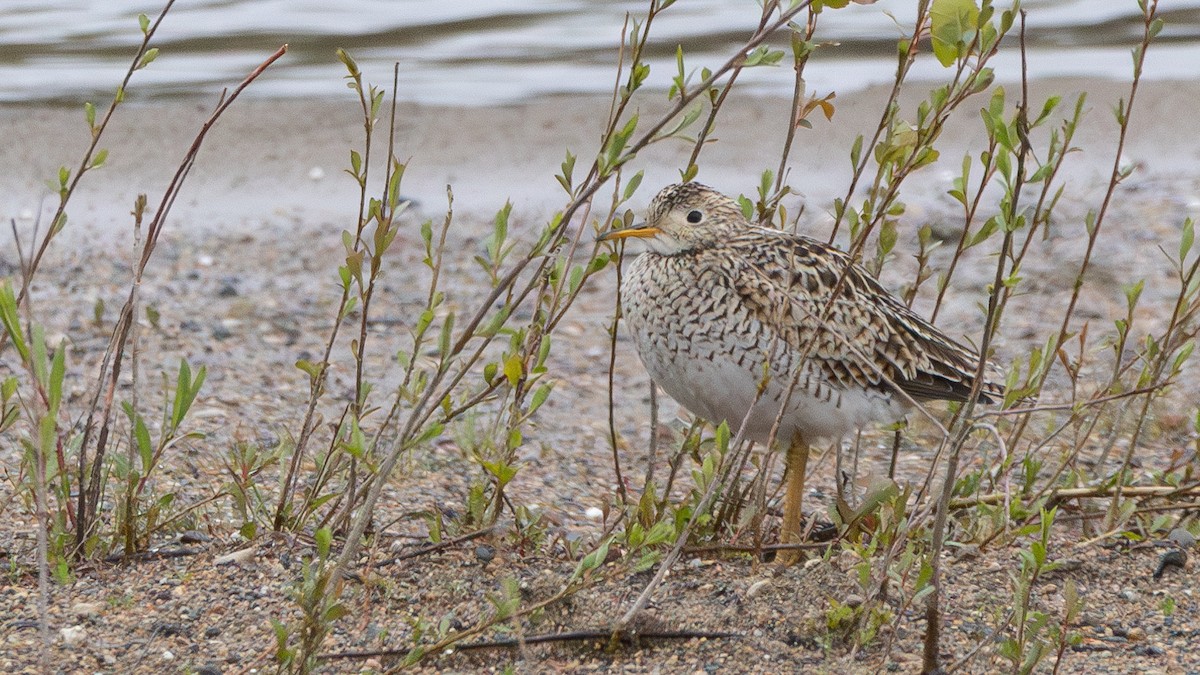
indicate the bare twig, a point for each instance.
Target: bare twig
{"x":440,"y":546}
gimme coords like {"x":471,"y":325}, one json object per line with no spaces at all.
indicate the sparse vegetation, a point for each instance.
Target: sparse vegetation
{"x":1071,"y":461}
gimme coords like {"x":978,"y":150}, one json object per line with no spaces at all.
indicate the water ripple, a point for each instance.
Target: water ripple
{"x":499,"y":51}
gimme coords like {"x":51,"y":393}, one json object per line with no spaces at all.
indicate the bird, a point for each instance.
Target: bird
{"x":775,"y":331}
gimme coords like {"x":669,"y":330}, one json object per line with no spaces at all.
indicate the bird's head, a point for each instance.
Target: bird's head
{"x":683,"y":217}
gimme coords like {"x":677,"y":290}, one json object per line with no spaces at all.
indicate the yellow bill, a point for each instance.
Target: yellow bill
{"x":639,"y":232}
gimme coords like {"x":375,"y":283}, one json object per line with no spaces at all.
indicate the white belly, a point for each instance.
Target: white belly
{"x":710,"y":359}
{"x":718,"y":388}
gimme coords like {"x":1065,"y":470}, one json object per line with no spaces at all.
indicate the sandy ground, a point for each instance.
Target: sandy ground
{"x":244,"y":283}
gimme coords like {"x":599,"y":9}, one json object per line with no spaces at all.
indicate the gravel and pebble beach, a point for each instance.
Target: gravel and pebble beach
{"x":244,"y":283}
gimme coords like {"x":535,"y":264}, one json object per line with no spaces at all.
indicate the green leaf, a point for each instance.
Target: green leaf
{"x":323,"y":538}
{"x":41,"y":362}
{"x":182,"y":384}
{"x":568,"y":170}
{"x":495,"y":242}
{"x":47,"y":436}
{"x":445,"y":336}
{"x":514,"y":367}
{"x":429,"y":433}
{"x":953,"y":25}
{"x":348,"y":61}
{"x":746,"y":206}
{"x":543,"y":350}
{"x":818,"y":5}
{"x":686,"y":121}
{"x":494,"y":324}
{"x":147,"y":58}
{"x":144,"y":23}
{"x":631,"y":185}
{"x":503,"y":472}
{"x":12,"y":324}
{"x":313,"y":369}
{"x":1156,"y":27}
{"x":141,"y":437}
{"x":763,"y":56}
{"x":335,"y":612}
{"x":248,"y":530}
{"x":394,"y":188}
{"x":592,"y":560}
{"x":575,"y":278}
{"x":887,"y":236}
{"x":58,"y":368}
{"x":539,"y":397}
{"x":616,"y":144}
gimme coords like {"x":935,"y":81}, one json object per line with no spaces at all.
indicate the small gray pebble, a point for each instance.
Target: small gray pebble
{"x":168,"y":629}
{"x":212,"y":631}
{"x":229,"y":287}
{"x":484,"y":553}
{"x":1181,"y":538}
{"x":1148,"y":650}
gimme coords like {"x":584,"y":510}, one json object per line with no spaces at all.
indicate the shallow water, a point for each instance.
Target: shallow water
{"x":499,"y":51}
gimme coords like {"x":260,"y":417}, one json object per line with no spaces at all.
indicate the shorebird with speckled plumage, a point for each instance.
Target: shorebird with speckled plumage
{"x":738,"y":322}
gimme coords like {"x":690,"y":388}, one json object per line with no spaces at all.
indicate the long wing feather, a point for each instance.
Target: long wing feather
{"x":867,"y":337}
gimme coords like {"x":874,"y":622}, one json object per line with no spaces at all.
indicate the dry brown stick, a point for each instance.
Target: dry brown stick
{"x":444,"y":544}
{"x":747,"y":548}
{"x":1083,"y":493}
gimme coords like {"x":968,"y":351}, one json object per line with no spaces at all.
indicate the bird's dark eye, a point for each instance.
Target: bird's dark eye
{"x":694,"y":217}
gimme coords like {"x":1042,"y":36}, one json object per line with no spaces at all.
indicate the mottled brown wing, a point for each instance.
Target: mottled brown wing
{"x":867,"y":334}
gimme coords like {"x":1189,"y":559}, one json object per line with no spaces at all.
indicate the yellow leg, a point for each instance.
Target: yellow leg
{"x":793,"y":497}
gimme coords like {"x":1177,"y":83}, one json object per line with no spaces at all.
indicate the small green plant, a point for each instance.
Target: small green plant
{"x":138,"y":517}
{"x":297,"y":647}
{"x":1037,"y":636}
{"x":244,"y":463}
{"x":1167,"y":606}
